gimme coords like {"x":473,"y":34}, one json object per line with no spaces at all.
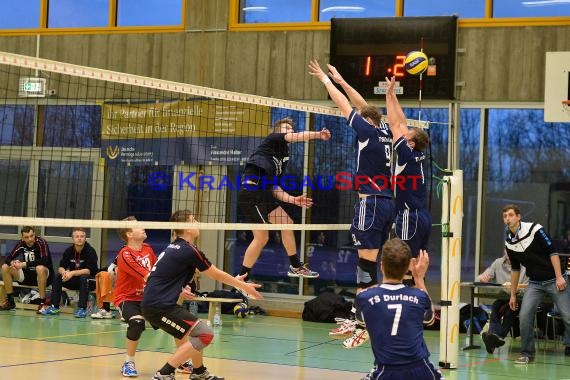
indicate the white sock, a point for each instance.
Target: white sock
{"x":129,"y":359}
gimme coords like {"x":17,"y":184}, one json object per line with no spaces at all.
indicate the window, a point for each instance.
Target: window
{"x":15,"y":190}
{"x":469,"y":163}
{"x":263,"y":11}
{"x":464,"y":9}
{"x":72,"y":126}
{"x":531,"y":8}
{"x":20,"y":14}
{"x":64,"y":191}
{"x":526,"y":164}
{"x":132,"y":195}
{"x":149,"y":12}
{"x":78,"y":13}
{"x":38,"y":16}
{"x":16,"y":125}
{"x":356,"y":9}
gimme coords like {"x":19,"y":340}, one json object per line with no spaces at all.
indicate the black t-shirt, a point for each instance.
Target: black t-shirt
{"x":272,"y":155}
{"x":86,"y":259}
{"x":173,"y":270}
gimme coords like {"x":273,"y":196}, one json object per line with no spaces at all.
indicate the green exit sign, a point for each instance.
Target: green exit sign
{"x":32,"y":87}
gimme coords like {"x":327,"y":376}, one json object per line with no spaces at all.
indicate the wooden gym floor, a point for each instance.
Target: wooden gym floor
{"x":259,"y":347}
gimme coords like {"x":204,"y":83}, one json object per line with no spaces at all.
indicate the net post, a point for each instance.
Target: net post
{"x":451,"y":216}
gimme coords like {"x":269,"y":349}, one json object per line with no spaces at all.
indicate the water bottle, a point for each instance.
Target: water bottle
{"x":217,"y":320}
{"x":91,"y":301}
{"x":193,"y":307}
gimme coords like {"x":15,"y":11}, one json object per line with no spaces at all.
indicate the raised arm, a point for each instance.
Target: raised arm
{"x":419,"y":267}
{"x":354,"y":96}
{"x":324,"y":134}
{"x":396,"y":117}
{"x":337,"y":97}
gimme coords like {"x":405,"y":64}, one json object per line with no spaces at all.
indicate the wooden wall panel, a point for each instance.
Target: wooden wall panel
{"x":241,"y":62}
{"x":264,"y":70}
{"x":507,"y":64}
{"x":207,"y":14}
{"x":299,"y":49}
{"x":205,"y":59}
{"x":319,"y":49}
{"x":25,"y":45}
{"x":169,"y":56}
{"x":499,"y":64}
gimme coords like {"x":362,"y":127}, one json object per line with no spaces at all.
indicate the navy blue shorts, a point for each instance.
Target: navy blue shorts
{"x":420,"y":370}
{"x":414,"y":227}
{"x":372,"y":221}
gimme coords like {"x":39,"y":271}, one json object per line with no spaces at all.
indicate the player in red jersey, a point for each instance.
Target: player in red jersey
{"x":134,"y":262}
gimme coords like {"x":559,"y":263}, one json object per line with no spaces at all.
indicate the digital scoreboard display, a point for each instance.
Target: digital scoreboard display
{"x":367,"y":50}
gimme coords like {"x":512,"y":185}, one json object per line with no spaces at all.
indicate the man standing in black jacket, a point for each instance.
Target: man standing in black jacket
{"x":529,"y":245}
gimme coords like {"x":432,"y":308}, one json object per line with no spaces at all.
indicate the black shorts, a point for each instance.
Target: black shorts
{"x":256,"y":205}
{"x":31,"y":277}
{"x":129,"y":309}
{"x":176,"y":321}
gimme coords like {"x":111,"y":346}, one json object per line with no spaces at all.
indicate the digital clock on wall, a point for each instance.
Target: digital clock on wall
{"x":366,"y":50}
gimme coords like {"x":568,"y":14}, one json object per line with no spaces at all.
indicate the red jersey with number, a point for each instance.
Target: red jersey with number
{"x":132,"y":268}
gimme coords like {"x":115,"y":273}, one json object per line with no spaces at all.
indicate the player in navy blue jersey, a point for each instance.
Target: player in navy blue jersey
{"x":374,"y":211}
{"x":260,"y":194}
{"x":168,"y":280}
{"x":413,"y":220}
{"x":395,"y":316}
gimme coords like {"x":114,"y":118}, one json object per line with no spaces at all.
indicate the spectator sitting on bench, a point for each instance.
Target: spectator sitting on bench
{"x":29,"y":263}
{"x":77,"y":266}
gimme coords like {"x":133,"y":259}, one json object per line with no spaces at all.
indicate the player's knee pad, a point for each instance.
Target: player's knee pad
{"x":135,"y":329}
{"x":366,"y":273}
{"x":201,"y":336}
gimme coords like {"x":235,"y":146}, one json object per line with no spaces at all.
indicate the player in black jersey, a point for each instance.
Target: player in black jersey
{"x":168,"y":280}
{"x":260,"y":194}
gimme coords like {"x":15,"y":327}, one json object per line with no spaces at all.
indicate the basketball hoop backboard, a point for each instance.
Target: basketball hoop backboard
{"x":557,"y":87}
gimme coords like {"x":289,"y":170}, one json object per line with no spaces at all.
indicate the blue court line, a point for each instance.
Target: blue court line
{"x":60,"y":360}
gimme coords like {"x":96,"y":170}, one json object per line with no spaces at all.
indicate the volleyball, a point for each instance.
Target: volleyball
{"x":416,"y":62}
{"x":240,"y":310}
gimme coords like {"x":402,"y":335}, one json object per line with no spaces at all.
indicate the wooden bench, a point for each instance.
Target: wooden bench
{"x":27,"y":306}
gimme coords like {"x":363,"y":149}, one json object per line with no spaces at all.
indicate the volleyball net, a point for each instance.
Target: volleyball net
{"x":86,"y":147}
